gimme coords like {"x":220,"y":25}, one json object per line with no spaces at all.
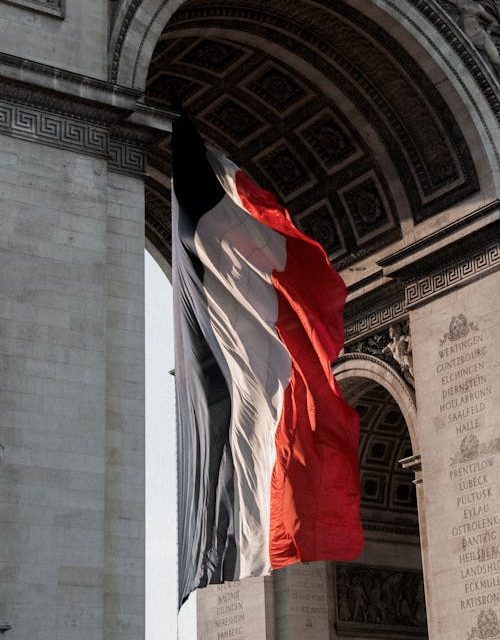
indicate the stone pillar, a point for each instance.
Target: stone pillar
{"x":125,"y":464}
{"x":236,"y":610}
{"x":451,"y":291}
{"x":53,"y":386}
{"x":456,"y":342}
{"x":72,"y":387}
{"x":301,"y":602}
{"x":72,"y":167}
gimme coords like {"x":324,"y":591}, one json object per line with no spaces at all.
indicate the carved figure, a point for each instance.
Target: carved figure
{"x":376,"y":610}
{"x":473,"y":15}
{"x":400,"y":349}
{"x":360,"y":601}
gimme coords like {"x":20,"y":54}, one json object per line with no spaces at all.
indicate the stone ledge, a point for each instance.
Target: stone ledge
{"x":82,"y":114}
{"x":458,"y":230}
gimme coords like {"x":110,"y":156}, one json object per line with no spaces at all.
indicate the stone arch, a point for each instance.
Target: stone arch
{"x":354,"y":371}
{"x":429,"y":33}
{"x":391,"y":505}
{"x":405,"y":168}
{"x":137,"y":27}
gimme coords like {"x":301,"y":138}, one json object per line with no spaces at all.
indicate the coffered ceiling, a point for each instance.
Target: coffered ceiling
{"x":318,"y":104}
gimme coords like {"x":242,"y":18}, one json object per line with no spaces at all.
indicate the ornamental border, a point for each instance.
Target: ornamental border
{"x":457,"y":273}
{"x":64,"y":132}
{"x":381,"y":314}
{"x":53,"y":129}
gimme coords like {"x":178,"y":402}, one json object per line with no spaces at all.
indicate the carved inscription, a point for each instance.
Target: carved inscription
{"x":233,"y":611}
{"x":230,"y":614}
{"x":307,"y":592}
{"x":465,"y":389}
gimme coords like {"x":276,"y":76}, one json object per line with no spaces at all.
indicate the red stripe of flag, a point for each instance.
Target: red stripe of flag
{"x":315,"y":485}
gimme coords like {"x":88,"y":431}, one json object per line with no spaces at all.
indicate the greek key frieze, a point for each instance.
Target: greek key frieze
{"x":458,"y":273}
{"x":373,"y":316}
{"x":125,"y":158}
{"x":49,"y":128}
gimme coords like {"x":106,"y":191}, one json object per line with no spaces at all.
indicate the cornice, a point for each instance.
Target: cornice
{"x":67,"y":83}
{"x":451,"y":265}
{"x":458,"y":266}
{"x":75,"y":112}
{"x":455,"y":231}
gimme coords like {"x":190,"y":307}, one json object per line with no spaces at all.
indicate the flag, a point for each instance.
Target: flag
{"x":267,"y":446}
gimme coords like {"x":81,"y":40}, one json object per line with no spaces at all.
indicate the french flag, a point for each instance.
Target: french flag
{"x":267,"y":446}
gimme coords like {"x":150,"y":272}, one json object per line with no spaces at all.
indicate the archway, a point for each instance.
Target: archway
{"x":350,"y":131}
{"x":367,"y":138}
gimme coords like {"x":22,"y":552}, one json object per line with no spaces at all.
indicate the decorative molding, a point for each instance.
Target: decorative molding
{"x":125,"y":158}
{"x":374,"y":311}
{"x":477,"y":20}
{"x":120,"y":40}
{"x":392,"y":346}
{"x":36,"y":83}
{"x":61,"y":104}
{"x":429,"y":242}
{"x":400,"y":390}
{"x":456,"y":273}
{"x":470,"y":57}
{"x":53,"y":129}
{"x":54,"y":8}
{"x":124,"y":145}
{"x":71,"y":111}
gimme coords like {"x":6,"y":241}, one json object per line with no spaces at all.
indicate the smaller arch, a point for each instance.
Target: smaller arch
{"x":352,"y":372}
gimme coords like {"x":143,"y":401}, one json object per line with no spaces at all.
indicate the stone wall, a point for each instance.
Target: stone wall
{"x":458,"y":398}
{"x":67,"y":34}
{"x":72,"y":420}
{"x":53,"y":419}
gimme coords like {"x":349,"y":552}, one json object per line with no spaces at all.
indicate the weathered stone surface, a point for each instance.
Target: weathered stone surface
{"x":77,"y":43}
{"x":72,"y":391}
{"x":239,"y":610}
{"x":456,"y":369}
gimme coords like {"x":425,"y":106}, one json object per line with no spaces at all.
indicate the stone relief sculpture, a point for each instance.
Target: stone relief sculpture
{"x":400,"y":349}
{"x":389,"y":598}
{"x":487,"y":626}
{"x":392,"y":345}
{"x":478,"y":19}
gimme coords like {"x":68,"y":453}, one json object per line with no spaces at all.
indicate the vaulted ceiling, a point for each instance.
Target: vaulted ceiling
{"x":320,"y":105}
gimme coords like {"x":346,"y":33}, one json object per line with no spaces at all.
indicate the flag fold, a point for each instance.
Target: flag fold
{"x":267,"y":446}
